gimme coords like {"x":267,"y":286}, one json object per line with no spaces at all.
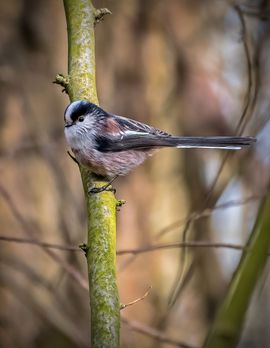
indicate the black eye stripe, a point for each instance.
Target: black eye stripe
{"x":80,"y":111}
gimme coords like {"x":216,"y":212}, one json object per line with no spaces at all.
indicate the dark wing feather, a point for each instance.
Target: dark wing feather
{"x":125,"y":134}
{"x":131,"y":142}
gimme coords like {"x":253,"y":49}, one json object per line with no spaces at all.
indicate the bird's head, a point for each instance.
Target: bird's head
{"x":80,"y":113}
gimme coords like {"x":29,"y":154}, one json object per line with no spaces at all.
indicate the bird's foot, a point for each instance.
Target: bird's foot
{"x":106,"y":187}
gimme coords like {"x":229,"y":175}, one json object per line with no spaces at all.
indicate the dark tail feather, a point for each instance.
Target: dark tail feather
{"x":222,"y":142}
{"x":151,"y":141}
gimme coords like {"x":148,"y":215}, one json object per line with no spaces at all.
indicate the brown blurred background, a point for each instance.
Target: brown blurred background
{"x":188,"y":67}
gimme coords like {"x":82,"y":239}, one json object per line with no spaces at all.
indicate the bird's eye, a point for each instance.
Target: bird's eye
{"x":80,"y":119}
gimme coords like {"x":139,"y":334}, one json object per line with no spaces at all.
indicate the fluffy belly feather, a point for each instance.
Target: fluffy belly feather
{"x":111,"y":164}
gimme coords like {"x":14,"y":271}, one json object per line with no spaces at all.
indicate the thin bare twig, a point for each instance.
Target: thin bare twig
{"x":123,"y":306}
{"x":175,"y":290}
{"x":136,"y":251}
{"x":39,"y":243}
{"x":195,"y":244}
{"x":248,"y":98}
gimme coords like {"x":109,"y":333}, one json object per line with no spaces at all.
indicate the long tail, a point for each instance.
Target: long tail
{"x":150,"y":141}
{"x":222,"y":142}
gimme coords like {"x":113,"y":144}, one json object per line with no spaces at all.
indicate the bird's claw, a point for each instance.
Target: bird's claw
{"x":108,"y":188}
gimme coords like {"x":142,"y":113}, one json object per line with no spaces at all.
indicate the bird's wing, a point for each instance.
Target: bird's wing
{"x":120,"y":133}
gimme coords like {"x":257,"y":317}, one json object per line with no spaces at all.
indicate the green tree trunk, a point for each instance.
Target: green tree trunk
{"x":101,"y":207}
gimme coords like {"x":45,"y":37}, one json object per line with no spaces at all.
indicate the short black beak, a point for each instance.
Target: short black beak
{"x":68,"y":125}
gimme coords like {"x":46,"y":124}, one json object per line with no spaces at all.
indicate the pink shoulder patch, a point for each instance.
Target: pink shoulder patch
{"x":111,"y":126}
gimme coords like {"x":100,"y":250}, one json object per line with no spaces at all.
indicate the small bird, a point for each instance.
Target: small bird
{"x":111,"y":145}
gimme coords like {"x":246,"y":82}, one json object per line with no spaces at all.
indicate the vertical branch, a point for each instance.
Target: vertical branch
{"x":80,"y":17}
{"x":101,"y":207}
{"x":227,"y":327}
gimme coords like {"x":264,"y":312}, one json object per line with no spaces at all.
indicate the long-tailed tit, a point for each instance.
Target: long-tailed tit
{"x":111,"y":145}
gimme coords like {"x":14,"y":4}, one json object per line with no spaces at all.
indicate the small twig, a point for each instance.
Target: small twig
{"x":175,"y":290}
{"x":84,"y":247}
{"x":194,"y":244}
{"x":123,"y":306}
{"x":120,"y":202}
{"x":63,"y":81}
{"x":157,"y":335}
{"x":39,"y":243}
{"x":248,"y":97}
{"x":100,"y":14}
{"x":141,"y":250}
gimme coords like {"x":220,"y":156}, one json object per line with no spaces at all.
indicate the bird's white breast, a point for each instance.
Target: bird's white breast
{"x":79,"y":138}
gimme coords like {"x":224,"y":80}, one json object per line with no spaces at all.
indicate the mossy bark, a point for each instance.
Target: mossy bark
{"x":101,"y":207}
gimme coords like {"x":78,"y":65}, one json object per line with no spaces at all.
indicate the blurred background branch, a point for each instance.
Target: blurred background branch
{"x":227,"y":327}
